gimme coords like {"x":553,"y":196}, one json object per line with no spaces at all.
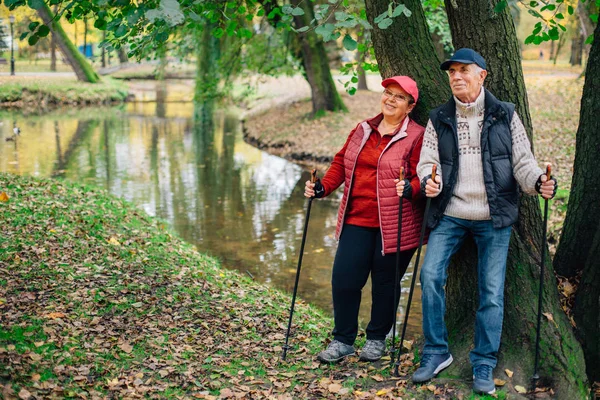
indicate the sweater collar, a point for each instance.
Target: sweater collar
{"x":469,"y":110}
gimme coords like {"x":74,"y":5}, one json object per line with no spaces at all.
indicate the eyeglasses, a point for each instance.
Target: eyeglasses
{"x":397,"y":97}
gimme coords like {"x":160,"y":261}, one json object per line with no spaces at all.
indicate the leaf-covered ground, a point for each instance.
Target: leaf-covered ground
{"x":100,"y":301}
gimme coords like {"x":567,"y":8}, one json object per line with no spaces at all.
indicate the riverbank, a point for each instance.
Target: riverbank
{"x":99,"y":300}
{"x":29,"y":92}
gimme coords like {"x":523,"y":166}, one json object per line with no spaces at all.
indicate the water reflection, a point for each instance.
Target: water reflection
{"x":193,"y":169}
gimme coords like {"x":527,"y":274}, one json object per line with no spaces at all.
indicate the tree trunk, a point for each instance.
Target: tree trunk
{"x":122,"y":56}
{"x":406,"y":48}
{"x":85,"y":32}
{"x":577,"y":44}
{"x":579,"y":247}
{"x":361,"y":56}
{"x":52,"y":53}
{"x":83,"y":70}
{"x":207,"y":69}
{"x":474,"y":24}
{"x":325,"y":96}
{"x":103,"y":51}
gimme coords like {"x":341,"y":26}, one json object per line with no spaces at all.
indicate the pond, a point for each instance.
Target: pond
{"x":231,"y":200}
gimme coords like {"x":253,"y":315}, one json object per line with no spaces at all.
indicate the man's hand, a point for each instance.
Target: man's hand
{"x":314,"y":189}
{"x":546,"y":187}
{"x":432,"y":189}
{"x":403,"y":188}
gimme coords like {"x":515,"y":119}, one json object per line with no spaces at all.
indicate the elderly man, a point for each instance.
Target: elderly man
{"x":484,"y":154}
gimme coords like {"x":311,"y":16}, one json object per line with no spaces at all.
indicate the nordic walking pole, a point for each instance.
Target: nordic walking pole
{"x":395,"y":306}
{"x":416,"y":270}
{"x":542,"y":265}
{"x":313,"y":179}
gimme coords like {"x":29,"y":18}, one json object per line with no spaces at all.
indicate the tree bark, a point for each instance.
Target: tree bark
{"x":325,"y":96}
{"x":361,"y":56}
{"x":474,"y":24}
{"x":83,"y":70}
{"x":406,"y":48}
{"x":577,"y":44}
{"x":579,"y":247}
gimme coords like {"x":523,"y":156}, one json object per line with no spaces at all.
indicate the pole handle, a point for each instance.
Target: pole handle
{"x":313,"y":175}
{"x":401,"y":176}
{"x":548,"y":171}
{"x":433,"y":172}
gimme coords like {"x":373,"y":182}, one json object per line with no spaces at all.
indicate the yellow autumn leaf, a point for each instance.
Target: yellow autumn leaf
{"x":520,"y":389}
{"x":3,"y":196}
{"x":499,"y":382}
{"x":509,"y":373}
{"x":114,"y":241}
{"x":431,"y":388}
{"x":55,"y":315}
{"x":381,"y":392}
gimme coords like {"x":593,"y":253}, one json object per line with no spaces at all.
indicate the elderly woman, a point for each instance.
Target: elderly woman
{"x":367,"y":228}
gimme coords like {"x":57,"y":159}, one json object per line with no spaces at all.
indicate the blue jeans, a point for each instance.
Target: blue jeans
{"x":492,"y":248}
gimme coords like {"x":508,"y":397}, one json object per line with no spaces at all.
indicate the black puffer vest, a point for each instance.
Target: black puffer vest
{"x":496,"y":155}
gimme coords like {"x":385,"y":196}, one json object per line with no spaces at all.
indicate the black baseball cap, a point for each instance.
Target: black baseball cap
{"x":465,"y":56}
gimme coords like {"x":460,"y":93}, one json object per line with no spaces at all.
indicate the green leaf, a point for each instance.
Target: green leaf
{"x":349,"y":43}
{"x":341,"y":15}
{"x":570,"y":10}
{"x":218,"y":32}
{"x":500,"y":6}
{"x":385,"y":23}
{"x":23,"y":35}
{"x":354,"y":79}
{"x":33,"y":25}
{"x":100,"y":24}
{"x":535,"y":13}
{"x":303,"y":29}
{"x":390,"y":9}
{"x":533,"y":4}
{"x":562,"y":27}
{"x":399,"y":10}
{"x":33,"y":39}
{"x":352,"y":91}
{"x":553,"y":33}
{"x":35,"y":4}
{"x":590,"y":39}
{"x":559,"y":16}
{"x":325,"y":31}
{"x":297,"y":11}
{"x":380,"y":17}
{"x":43,"y":31}
{"x":594,"y":17}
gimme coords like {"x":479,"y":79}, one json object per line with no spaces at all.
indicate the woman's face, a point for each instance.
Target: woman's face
{"x":394,"y":103}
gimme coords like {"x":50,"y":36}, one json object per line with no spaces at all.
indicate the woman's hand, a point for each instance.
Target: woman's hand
{"x":403,"y":188}
{"x":315,"y":190}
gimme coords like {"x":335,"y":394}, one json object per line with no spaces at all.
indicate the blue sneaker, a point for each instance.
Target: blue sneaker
{"x":483,"y":381}
{"x":431,"y":365}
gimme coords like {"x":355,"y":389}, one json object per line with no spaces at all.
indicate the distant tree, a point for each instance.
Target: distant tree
{"x":3,"y":36}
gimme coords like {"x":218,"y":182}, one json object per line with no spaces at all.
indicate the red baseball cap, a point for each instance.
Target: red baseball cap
{"x":406,"y":83}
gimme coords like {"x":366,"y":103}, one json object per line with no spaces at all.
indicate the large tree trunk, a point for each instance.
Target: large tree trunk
{"x":577,"y":44}
{"x":325,"y":96}
{"x":82,"y":69}
{"x":207,"y":71}
{"x":406,"y":48}
{"x":579,"y":247}
{"x":474,"y":24}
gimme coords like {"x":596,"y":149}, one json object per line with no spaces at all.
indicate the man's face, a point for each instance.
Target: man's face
{"x":466,"y":81}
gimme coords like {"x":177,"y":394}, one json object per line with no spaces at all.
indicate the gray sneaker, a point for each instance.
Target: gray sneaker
{"x":431,"y":365}
{"x":373,"y":350}
{"x":335,"y":352}
{"x":483,"y":380}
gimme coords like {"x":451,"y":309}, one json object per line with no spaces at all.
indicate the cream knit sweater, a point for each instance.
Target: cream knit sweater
{"x":469,"y":200}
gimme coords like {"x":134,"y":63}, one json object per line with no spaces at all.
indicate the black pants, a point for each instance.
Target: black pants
{"x":358,"y":254}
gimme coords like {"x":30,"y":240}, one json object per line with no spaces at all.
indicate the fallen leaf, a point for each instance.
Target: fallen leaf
{"x":114,"y":241}
{"x":126,"y":347}
{"x":35,"y":356}
{"x":381,"y":392}
{"x":24,"y":394}
{"x":36,"y":377}
{"x":520,"y":389}
{"x":499,"y":382}
{"x":378,"y":378}
{"x":55,"y":315}
{"x":4,"y":197}
{"x":334,"y":387}
{"x":508,"y":372}
{"x":431,"y":388}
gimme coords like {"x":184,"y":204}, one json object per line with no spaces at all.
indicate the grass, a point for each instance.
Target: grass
{"x":19,"y":91}
{"x":100,"y":300}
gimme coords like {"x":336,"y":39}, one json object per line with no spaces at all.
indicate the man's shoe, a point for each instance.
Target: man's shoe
{"x":483,"y":380}
{"x":335,"y":352}
{"x":431,"y":365}
{"x":373,"y":350}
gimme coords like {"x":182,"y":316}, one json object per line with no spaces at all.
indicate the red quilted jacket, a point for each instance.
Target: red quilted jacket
{"x":397,"y":153}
